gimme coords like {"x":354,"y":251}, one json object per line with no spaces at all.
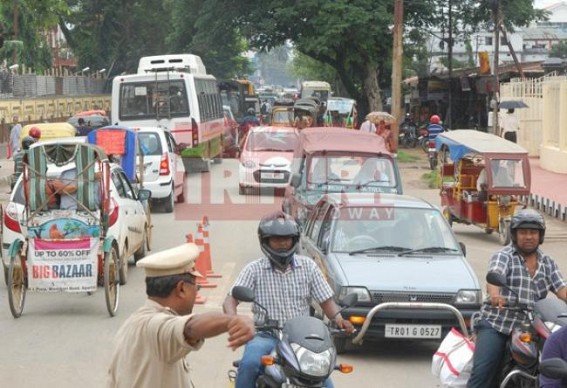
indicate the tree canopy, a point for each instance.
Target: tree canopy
{"x":351,"y":37}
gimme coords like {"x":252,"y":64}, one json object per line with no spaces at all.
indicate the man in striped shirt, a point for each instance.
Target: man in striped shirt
{"x":531,"y":274}
{"x":284,"y":283}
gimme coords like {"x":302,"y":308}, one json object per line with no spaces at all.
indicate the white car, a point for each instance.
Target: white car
{"x":128,"y":221}
{"x":164,"y":172}
{"x":265,"y":159}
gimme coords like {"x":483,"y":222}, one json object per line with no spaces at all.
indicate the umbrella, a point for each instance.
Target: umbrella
{"x":376,"y":117}
{"x":512,"y":104}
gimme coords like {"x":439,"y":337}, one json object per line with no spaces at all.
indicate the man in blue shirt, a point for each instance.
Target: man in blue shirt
{"x":434,"y":128}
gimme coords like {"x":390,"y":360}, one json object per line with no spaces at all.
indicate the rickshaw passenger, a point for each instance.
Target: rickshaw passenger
{"x":66,"y":186}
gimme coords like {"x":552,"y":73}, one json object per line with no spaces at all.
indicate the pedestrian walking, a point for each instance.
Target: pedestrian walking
{"x":509,"y":126}
{"x":15,"y":134}
{"x":152,"y":345}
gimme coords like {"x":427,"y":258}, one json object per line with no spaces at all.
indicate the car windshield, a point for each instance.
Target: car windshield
{"x":391,"y":230}
{"x":149,"y":143}
{"x":350,"y":173}
{"x":282,"y":141}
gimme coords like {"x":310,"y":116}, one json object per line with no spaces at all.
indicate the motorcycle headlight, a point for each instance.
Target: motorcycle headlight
{"x":468,"y":297}
{"x":313,"y":364}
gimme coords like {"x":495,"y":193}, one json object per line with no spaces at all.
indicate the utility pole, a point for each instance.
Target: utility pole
{"x":449,"y":120}
{"x":397,"y":69}
{"x":496,"y":94}
{"x":16,"y":29}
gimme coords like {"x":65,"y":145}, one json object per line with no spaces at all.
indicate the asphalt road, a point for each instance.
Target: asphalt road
{"x":65,"y":340}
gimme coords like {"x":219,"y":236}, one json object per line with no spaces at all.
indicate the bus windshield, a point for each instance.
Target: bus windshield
{"x":153,"y":99}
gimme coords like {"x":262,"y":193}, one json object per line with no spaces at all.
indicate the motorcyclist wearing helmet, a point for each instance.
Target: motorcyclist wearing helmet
{"x":19,"y":159}
{"x":434,"y":128}
{"x":531,"y":274}
{"x":284,"y":283}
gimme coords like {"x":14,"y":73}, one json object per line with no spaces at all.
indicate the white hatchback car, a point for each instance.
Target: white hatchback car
{"x":128,"y":221}
{"x":164,"y":172}
{"x":265,"y":159}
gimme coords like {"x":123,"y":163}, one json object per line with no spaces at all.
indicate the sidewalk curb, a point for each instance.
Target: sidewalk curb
{"x":547,"y":206}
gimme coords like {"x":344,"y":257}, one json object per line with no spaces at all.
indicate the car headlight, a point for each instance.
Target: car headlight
{"x":313,"y":364}
{"x":249,"y":164}
{"x":469,"y":297}
{"x":362,"y":292}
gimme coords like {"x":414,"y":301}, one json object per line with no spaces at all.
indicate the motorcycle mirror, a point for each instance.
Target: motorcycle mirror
{"x":554,"y":368}
{"x":243,"y":294}
{"x":496,"y":279}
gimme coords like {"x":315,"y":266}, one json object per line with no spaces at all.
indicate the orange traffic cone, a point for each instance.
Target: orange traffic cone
{"x":207,"y":250}
{"x":198,"y":298}
{"x":202,"y":261}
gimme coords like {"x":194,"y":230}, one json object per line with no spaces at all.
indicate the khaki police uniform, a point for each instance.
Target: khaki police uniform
{"x":150,"y":347}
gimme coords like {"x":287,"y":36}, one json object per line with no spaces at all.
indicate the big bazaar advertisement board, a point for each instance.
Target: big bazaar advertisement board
{"x":63,"y":265}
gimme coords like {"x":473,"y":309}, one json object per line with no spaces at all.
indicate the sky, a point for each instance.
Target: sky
{"x":543,"y":3}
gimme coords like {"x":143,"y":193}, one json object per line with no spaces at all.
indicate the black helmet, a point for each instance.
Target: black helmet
{"x":278,"y":224}
{"x":527,"y":219}
{"x":251,"y":111}
{"x":27,"y":142}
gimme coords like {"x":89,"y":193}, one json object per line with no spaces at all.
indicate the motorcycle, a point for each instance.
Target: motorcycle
{"x":407,"y":137}
{"x":423,"y":138}
{"x":304,"y":356}
{"x":432,"y":154}
{"x":525,"y":344}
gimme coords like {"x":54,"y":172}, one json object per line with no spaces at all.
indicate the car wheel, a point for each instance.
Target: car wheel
{"x":169,"y":201}
{"x":181,"y":197}
{"x":123,"y":265}
{"x":141,"y":252}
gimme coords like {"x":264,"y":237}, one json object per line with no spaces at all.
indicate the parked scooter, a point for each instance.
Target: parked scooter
{"x":407,"y":137}
{"x":521,"y":367}
{"x":305,"y":355}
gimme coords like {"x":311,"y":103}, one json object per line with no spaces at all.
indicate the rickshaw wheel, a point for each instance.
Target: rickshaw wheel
{"x":488,"y":230}
{"x":17,"y":286}
{"x":111,"y":281}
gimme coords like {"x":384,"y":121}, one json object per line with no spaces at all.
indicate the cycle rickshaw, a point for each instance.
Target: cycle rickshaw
{"x":64,"y":248}
{"x":483,"y":179}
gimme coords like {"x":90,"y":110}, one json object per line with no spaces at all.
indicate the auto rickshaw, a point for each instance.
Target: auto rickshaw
{"x":306,"y":108}
{"x":341,"y":112}
{"x":50,"y":131}
{"x":483,"y":178}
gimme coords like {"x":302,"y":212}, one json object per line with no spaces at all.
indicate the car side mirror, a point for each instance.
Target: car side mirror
{"x":325,"y":243}
{"x":295,"y":180}
{"x":144,"y":195}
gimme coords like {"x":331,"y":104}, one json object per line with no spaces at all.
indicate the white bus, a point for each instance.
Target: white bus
{"x":319,"y":89}
{"x":173,"y":92}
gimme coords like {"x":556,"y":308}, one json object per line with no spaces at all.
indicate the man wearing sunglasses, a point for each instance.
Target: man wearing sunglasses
{"x":151,"y":346}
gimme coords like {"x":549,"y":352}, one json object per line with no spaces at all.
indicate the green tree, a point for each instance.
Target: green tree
{"x":24,"y":23}
{"x":559,"y":50}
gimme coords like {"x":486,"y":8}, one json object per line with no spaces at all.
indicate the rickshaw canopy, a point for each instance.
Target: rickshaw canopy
{"x":50,"y":131}
{"x":462,"y":142}
{"x":331,"y":139}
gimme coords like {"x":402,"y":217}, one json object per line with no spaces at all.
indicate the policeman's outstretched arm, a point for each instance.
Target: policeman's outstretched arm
{"x":200,"y":326}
